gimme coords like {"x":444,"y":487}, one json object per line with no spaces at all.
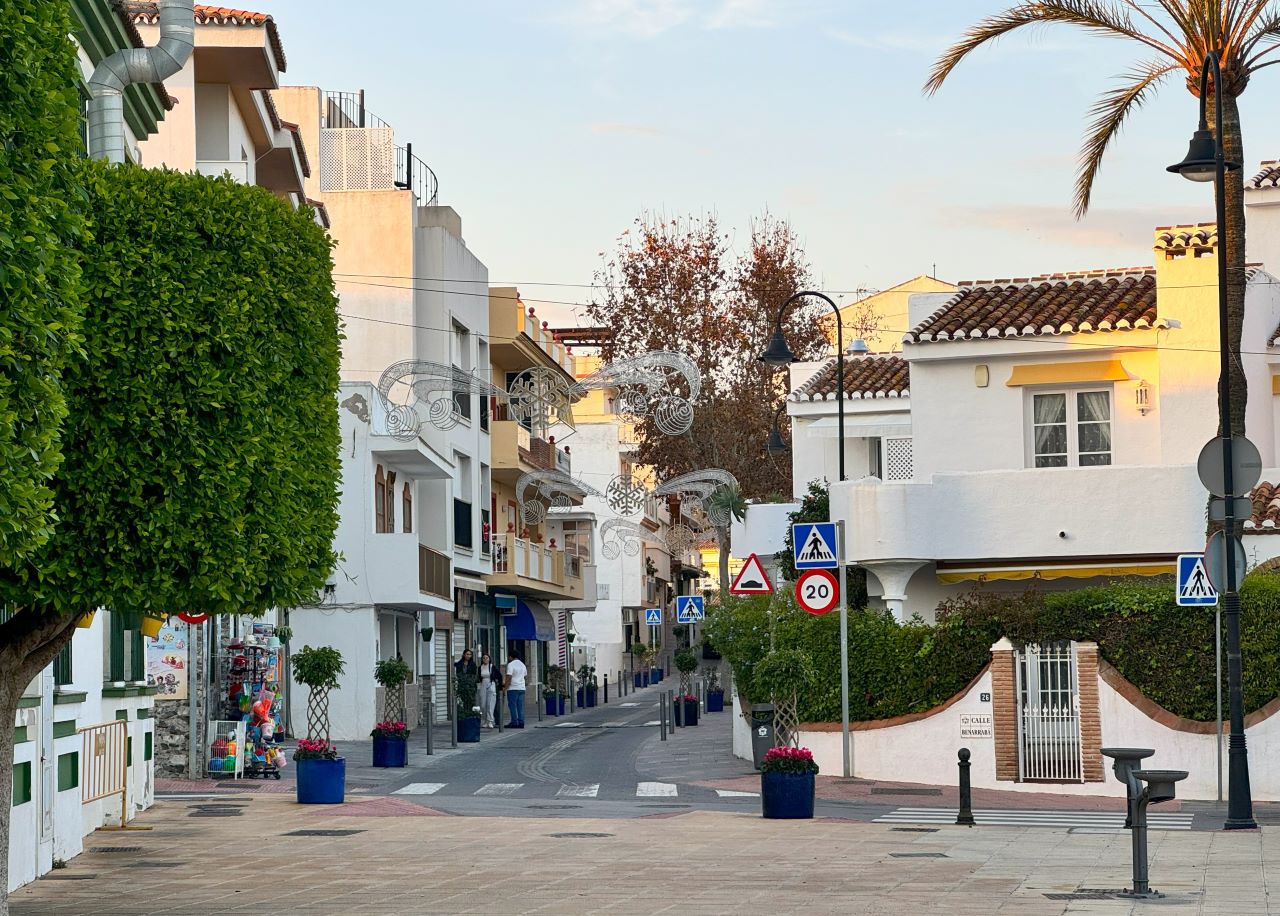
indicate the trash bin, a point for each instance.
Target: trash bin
{"x":761,"y":731}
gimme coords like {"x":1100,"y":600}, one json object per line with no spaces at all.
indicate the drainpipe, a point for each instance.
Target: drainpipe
{"x":136,"y":65}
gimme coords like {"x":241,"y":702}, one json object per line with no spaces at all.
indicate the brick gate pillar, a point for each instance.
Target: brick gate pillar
{"x":1090,"y":715}
{"x":1004,"y":710}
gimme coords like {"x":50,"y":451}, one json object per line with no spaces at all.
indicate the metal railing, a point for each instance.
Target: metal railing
{"x":346,"y":111}
{"x":104,"y":764}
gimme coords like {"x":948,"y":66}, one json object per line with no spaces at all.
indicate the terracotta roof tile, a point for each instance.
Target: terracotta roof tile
{"x":1269,"y":177}
{"x":864,"y":377}
{"x":135,"y":39}
{"x":1077,"y":303}
{"x":298,"y":145}
{"x":149,"y":12}
{"x":1266,"y":510}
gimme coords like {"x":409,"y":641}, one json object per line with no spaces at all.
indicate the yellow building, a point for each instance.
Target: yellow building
{"x":881,"y":318}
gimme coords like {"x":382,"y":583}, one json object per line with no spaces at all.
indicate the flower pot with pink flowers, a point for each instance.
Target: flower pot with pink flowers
{"x":787,"y":782}
{"x":322,"y":774}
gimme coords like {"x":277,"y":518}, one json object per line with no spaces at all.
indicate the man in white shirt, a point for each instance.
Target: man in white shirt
{"x":516,"y":674}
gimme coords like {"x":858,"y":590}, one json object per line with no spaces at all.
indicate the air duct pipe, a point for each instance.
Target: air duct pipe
{"x":136,"y":65}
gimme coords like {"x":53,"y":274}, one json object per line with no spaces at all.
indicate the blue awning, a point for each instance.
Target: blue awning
{"x":532,"y":620}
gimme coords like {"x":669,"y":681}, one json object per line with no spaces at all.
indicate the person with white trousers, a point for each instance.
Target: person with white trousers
{"x":490,"y":677}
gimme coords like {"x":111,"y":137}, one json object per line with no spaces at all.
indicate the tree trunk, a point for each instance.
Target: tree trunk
{"x":723,"y":537}
{"x":28,"y":642}
{"x":1231,"y":245}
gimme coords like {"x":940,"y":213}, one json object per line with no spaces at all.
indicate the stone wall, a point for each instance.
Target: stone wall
{"x":173,"y":717}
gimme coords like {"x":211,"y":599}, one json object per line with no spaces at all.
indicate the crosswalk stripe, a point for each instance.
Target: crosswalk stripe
{"x":590,"y":791}
{"x":654,"y":722}
{"x":730,"y":793}
{"x":420,"y":788}
{"x":656,"y":790}
{"x":499,"y":788}
{"x":1031,"y":818}
{"x":626,"y":705}
{"x":567,"y":725}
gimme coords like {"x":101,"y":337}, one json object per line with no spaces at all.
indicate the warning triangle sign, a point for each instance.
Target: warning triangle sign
{"x":751,"y":579}
{"x":816,"y":549}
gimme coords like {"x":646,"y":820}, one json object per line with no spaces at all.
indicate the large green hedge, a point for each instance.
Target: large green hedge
{"x":1166,"y":651}
{"x":40,"y":229}
{"x":201,"y":444}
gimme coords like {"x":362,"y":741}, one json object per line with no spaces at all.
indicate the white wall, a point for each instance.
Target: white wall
{"x":354,"y":632}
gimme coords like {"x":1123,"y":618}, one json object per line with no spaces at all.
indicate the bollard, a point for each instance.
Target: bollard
{"x":431,"y":726}
{"x":453,"y":714}
{"x":677,"y":716}
{"x":1160,"y":787}
{"x":572,"y":693}
{"x":606,"y":689}
{"x":662,"y":718}
{"x":965,"y":817}
{"x":537,"y":700}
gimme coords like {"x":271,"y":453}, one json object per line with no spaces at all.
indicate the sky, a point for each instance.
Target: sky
{"x":552,"y":125}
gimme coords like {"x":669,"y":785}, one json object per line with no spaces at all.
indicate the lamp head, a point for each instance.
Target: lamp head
{"x":857,"y":347}
{"x":777,"y":353}
{"x":1200,"y":163}
{"x":776,"y":446}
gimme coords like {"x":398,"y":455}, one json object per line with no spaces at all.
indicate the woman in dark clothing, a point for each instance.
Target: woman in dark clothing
{"x":466,"y":666}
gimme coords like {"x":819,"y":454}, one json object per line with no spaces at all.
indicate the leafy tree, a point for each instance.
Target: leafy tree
{"x":677,"y":285}
{"x":1178,"y":35}
{"x":726,"y":502}
{"x":201,"y":441}
{"x":40,"y":226}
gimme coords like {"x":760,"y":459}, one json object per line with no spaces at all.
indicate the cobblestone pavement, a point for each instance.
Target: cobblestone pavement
{"x":244,"y":854}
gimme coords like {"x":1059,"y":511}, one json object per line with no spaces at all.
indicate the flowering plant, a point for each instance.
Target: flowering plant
{"x":687,"y":698}
{"x":315,"y":749}
{"x":789,"y":760}
{"x":390,"y":729}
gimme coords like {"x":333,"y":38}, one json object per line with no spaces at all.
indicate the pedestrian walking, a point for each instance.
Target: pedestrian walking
{"x":516,"y":674}
{"x":490,"y":678}
{"x":466,"y":665}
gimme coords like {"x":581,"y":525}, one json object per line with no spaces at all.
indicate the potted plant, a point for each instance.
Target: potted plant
{"x":680,"y":631}
{"x":786,"y":782}
{"x":391,"y":735}
{"x":655,"y":673}
{"x":589,"y":687}
{"x":427,"y":633}
{"x":686,"y":703}
{"x":553,"y":692}
{"x":322,"y":774}
{"x":284,"y":634}
{"x":686,"y":710}
{"x":715,"y":693}
{"x":639,"y":664}
{"x":468,"y":710}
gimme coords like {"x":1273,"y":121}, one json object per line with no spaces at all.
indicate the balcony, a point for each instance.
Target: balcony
{"x":402,"y":572}
{"x":524,"y":566}
{"x":216,"y":168}
{"x":515,"y":450}
{"x":434,"y":575}
{"x":1054,"y":514}
{"x":358,"y":152}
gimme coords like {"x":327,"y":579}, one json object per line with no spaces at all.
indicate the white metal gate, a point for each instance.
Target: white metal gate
{"x":1049,"y":746}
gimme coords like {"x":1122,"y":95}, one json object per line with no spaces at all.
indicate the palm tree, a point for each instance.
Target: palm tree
{"x":1178,"y":35}
{"x":725,"y":505}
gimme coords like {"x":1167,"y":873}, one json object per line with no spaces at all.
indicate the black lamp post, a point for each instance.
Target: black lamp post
{"x":777,"y":353}
{"x":1206,"y":161}
{"x":777,"y":446}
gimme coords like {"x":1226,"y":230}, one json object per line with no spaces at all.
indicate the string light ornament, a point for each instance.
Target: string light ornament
{"x":434,"y":386}
{"x":681,"y":539}
{"x":541,"y":398}
{"x":620,"y":536}
{"x":695,"y":490}
{"x":550,"y":490}
{"x":626,"y":494}
{"x":661,"y":384}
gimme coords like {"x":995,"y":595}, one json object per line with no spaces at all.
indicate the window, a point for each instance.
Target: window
{"x":126,"y":660}
{"x":875,"y":466}
{"x":62,"y":667}
{"x":407,"y":507}
{"x":1071,"y":429}
{"x":390,"y":496}
{"x":379,"y":501}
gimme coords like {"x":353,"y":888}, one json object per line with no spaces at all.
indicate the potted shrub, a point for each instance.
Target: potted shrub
{"x":686,"y":710}
{"x":786,"y":782}
{"x":686,"y":702}
{"x":588,"y":688}
{"x":553,"y":692}
{"x":655,"y":673}
{"x":391,"y":735}
{"x":640,"y":664}
{"x":322,"y":774}
{"x":715,"y":693}
{"x":467,"y":709}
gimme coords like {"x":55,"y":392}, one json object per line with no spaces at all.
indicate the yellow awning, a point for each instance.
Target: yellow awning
{"x":1100,"y":370}
{"x":1019,"y":574}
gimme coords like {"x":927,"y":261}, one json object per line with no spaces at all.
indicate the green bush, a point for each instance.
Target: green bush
{"x":894,"y":669}
{"x":686,"y":661}
{"x":317,"y":667}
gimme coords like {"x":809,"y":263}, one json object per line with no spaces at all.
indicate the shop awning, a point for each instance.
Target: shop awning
{"x":952,"y":576}
{"x":531,"y":620}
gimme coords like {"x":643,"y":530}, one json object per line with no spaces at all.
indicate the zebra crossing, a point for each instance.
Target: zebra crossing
{"x":995,"y":817}
{"x":590,"y":790}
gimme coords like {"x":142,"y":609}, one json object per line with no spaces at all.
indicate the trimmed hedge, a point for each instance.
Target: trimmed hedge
{"x":40,"y":231}
{"x":1166,"y":651}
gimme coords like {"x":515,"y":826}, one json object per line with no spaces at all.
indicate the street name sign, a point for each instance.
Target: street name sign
{"x":814,"y":545}
{"x":817,"y":591}
{"x":689,"y":608}
{"x":751,"y":579}
{"x":653,"y":616}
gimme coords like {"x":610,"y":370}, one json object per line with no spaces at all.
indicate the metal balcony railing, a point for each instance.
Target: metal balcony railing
{"x":434,"y":574}
{"x":346,"y":111}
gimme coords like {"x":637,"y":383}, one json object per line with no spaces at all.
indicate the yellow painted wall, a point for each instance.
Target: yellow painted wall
{"x":890,"y":309}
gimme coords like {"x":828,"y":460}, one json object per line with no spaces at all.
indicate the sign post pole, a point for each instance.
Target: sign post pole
{"x":1217,"y":684}
{"x":844,"y":653}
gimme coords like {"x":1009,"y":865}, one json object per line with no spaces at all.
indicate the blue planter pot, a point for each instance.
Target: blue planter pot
{"x":555,"y":705}
{"x":469,"y":730}
{"x":639,"y":680}
{"x":715,"y":701}
{"x":390,"y":752}
{"x":321,"y":782}
{"x":656,"y":676}
{"x":787,"y":795}
{"x":586,"y":698}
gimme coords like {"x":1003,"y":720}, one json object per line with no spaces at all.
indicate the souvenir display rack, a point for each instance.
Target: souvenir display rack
{"x":250,"y":698}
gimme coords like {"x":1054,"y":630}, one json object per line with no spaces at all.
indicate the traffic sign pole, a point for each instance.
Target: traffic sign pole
{"x":844,"y":647}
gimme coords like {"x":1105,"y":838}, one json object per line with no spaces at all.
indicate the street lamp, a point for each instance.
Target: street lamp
{"x":777,"y":353}
{"x":1206,"y":161}
{"x":776,"y":447}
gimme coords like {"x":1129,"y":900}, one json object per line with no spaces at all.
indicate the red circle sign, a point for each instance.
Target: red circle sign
{"x":817,"y":591}
{"x":193,"y":618}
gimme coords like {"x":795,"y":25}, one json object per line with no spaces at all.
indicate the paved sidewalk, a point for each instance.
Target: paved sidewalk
{"x":244,"y":855}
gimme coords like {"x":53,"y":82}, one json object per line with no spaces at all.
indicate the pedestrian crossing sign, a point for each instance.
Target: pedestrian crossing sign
{"x":1194,"y":587}
{"x":653,"y":616}
{"x":688,"y":608}
{"x":814,"y":545}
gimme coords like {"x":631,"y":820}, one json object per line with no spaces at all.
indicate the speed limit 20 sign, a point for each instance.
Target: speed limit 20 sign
{"x":817,"y":591}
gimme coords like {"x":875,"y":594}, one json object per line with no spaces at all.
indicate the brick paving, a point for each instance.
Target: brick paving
{"x":399,"y":862}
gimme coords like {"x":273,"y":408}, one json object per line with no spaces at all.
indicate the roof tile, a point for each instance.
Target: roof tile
{"x":1266,"y":510}
{"x":864,"y":377}
{"x":148,"y":11}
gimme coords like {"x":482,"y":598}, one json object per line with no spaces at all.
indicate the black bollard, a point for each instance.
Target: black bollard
{"x":965,"y":817}
{"x":606,"y":689}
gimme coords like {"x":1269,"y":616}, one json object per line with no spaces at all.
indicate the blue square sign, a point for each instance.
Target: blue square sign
{"x":1194,"y":587}
{"x":653,"y":616}
{"x":689,"y":608}
{"x":814,"y":544}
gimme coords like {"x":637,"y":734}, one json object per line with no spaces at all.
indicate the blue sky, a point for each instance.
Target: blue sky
{"x":552,"y":124}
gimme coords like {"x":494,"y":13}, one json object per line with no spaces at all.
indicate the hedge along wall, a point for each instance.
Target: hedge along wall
{"x":1164,"y":650}
{"x":40,"y":230}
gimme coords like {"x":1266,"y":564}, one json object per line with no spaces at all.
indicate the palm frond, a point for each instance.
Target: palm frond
{"x":1094,"y":15}
{"x":1175,"y":41}
{"x":1109,"y":114}
{"x":1262,"y":30}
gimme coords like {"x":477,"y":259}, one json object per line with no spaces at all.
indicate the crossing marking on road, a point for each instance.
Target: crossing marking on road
{"x":1035,"y":818}
{"x":625,"y":705}
{"x":656,"y":790}
{"x":654,"y":722}
{"x":499,"y":788}
{"x":567,"y":725}
{"x":420,"y":788}
{"x":730,"y":793}
{"x":616,"y":724}
{"x":590,"y":791}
